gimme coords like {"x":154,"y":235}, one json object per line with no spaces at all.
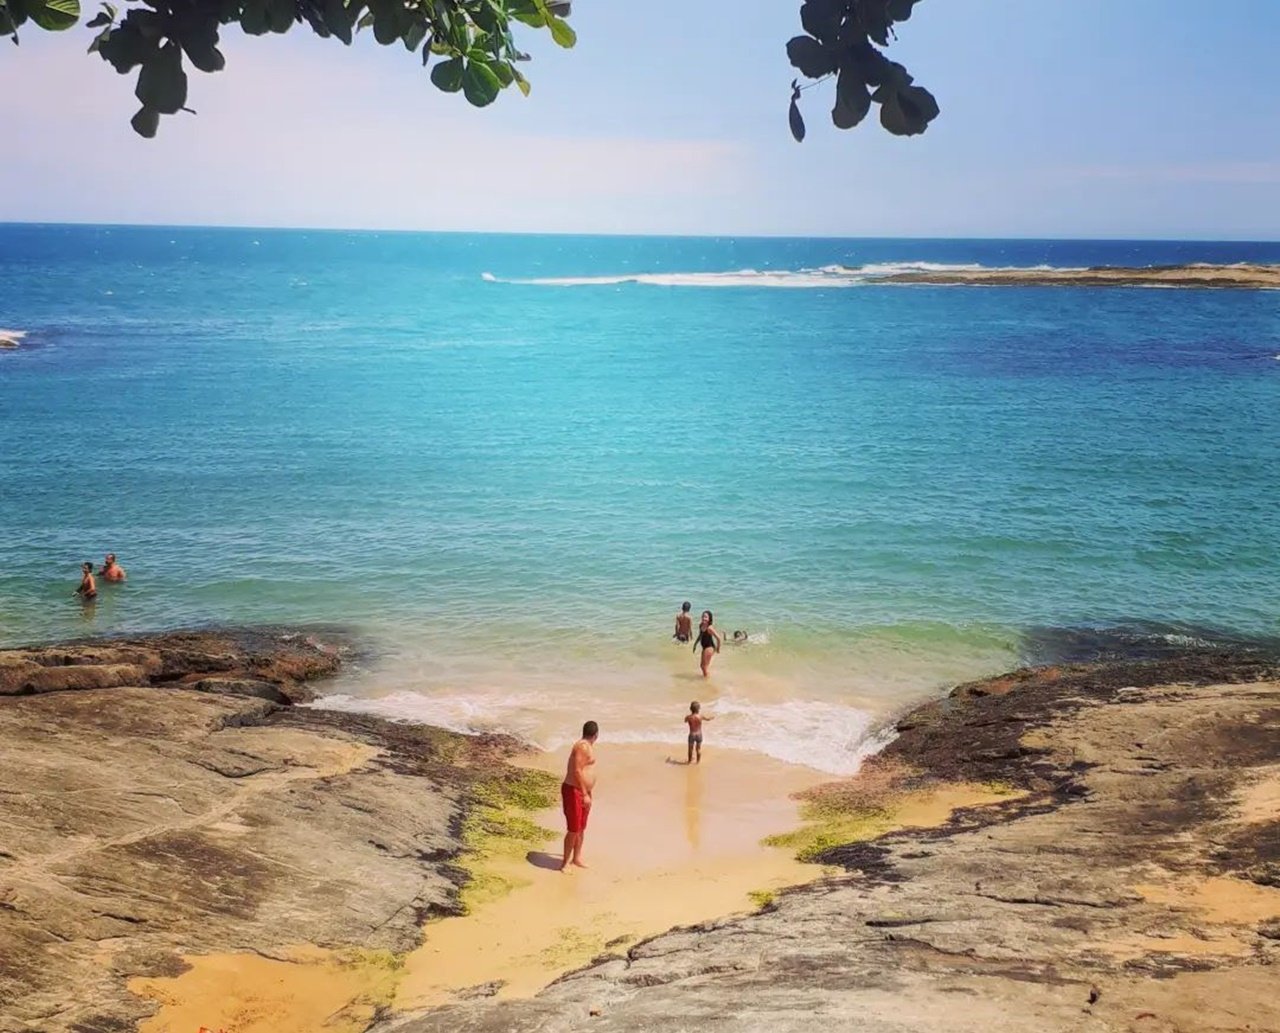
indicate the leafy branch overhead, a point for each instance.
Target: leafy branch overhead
{"x":842,"y":41}
{"x":471,"y":41}
{"x":470,"y":44}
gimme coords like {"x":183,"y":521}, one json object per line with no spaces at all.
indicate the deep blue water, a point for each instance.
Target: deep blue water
{"x":515,"y":484}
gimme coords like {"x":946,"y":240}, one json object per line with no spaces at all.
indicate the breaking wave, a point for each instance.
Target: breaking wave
{"x":821,"y":277}
{"x":828,"y":737}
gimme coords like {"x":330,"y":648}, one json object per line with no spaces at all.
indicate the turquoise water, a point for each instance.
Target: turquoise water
{"x":509,"y":486}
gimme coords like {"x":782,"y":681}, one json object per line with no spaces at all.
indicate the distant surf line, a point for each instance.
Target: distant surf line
{"x":1194,"y":275}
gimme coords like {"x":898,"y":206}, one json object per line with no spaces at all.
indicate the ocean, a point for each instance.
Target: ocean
{"x":502,"y":462}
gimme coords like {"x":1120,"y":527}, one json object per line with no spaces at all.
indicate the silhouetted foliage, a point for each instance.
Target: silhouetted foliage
{"x":841,"y":42}
{"x":469,"y":44}
{"x":470,"y":41}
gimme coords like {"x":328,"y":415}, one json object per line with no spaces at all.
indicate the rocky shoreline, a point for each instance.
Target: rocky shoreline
{"x":1133,"y":884}
{"x":163,"y":799}
{"x":1242,"y":276}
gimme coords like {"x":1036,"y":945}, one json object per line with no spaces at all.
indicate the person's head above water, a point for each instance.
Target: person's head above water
{"x":590,"y":730}
{"x":684,"y":607}
{"x":111,"y":558}
{"x":694,"y":707}
{"x":707,"y":618}
{"x":87,"y":567}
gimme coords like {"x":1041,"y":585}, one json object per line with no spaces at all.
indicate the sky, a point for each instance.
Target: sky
{"x":1060,"y":118}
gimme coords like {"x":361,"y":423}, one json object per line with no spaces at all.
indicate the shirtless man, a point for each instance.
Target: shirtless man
{"x":575,"y":794}
{"x":684,"y":625}
{"x":111,"y":570}
{"x":88,"y":590}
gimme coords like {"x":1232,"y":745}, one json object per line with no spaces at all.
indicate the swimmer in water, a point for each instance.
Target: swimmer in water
{"x":684,"y":624}
{"x":88,"y":590}
{"x":111,"y":570}
{"x":708,"y":640}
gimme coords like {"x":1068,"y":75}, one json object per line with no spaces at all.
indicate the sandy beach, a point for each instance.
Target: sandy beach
{"x":240,"y":863}
{"x":669,"y":844}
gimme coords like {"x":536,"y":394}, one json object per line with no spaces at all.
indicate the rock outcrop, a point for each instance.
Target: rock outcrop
{"x":1132,"y":887}
{"x":142,"y":822}
{"x":1240,"y":276}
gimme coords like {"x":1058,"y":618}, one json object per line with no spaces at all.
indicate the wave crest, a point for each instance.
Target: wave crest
{"x":825,"y":276}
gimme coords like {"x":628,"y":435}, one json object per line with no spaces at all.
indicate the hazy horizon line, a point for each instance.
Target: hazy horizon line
{"x":656,"y":236}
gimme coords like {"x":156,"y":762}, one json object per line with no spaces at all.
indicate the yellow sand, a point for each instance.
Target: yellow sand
{"x":1261,"y":801}
{"x":314,"y":991}
{"x":667,"y":845}
{"x":1221,"y":899}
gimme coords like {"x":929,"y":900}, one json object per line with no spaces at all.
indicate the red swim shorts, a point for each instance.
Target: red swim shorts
{"x":576,"y":809}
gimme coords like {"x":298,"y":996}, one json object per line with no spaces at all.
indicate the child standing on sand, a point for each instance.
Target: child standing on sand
{"x":694,"y":720}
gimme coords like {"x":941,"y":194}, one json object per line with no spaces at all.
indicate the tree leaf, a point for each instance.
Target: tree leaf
{"x":253,"y":18}
{"x":125,"y":47}
{"x":900,"y":10}
{"x":447,"y":75}
{"x":821,"y":18}
{"x":810,"y":57}
{"x":480,"y":84}
{"x":145,"y":122}
{"x":162,"y":84}
{"x":797,"y":123}
{"x":562,"y":32}
{"x":340,"y":19}
{"x":522,"y":84}
{"x":918,"y":106}
{"x":281,"y":14}
{"x":853,"y":100}
{"x":54,"y":15}
{"x":199,"y":40}
{"x":414,"y":34}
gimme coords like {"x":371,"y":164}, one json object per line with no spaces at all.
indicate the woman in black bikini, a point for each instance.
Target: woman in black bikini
{"x":88,"y":590}
{"x":708,"y":641}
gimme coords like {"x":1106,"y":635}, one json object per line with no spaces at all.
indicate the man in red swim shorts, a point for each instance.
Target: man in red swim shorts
{"x":575,"y":794}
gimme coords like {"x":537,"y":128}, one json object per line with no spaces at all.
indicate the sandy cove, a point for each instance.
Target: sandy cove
{"x":184,"y":847}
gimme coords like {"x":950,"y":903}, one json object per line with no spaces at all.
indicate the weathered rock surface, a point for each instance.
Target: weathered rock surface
{"x":285,"y":659}
{"x":140,"y":821}
{"x":1129,"y":890}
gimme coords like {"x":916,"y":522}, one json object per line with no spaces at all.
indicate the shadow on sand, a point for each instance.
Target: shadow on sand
{"x":542,"y":859}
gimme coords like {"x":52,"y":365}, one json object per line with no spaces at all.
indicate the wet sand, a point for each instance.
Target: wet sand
{"x":667,"y":844}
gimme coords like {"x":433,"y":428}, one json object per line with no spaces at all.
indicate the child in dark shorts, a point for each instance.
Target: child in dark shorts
{"x":694,"y":720}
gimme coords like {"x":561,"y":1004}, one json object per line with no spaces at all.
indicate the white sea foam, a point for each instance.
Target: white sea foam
{"x":11,"y":338}
{"x":823,"y":276}
{"x":827,"y":737}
